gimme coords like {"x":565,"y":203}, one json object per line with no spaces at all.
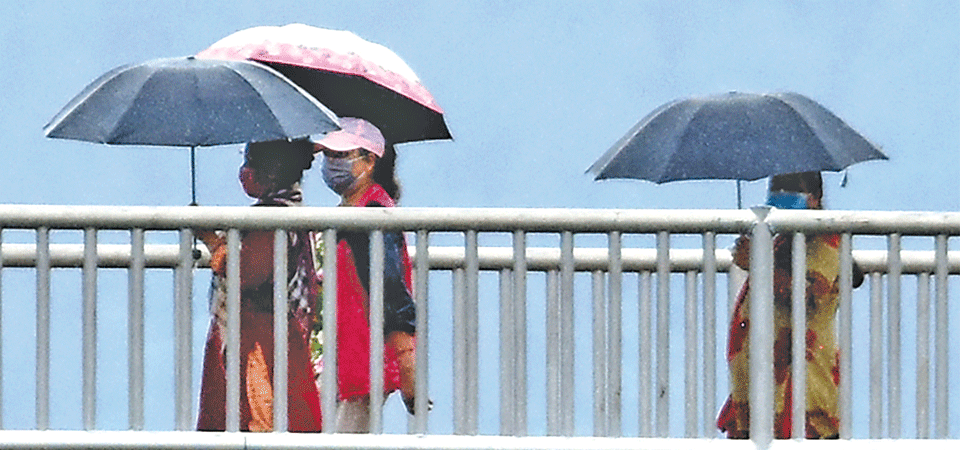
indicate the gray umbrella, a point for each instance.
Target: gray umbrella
{"x":190,"y":102}
{"x":735,"y":136}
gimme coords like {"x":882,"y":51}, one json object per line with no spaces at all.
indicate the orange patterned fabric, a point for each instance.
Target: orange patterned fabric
{"x":823,"y":269}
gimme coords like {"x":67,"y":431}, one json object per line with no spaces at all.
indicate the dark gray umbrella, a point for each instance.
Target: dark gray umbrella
{"x":190,"y":102}
{"x":735,"y":136}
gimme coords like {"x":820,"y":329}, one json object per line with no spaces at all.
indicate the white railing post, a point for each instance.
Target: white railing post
{"x":645,"y":344}
{"x":89,"y":328}
{"x":135,"y":327}
{"x":761,"y":331}
{"x":567,"y":362}
{"x":876,"y":355}
{"x":182,"y":351}
{"x":709,"y":306}
{"x":43,"y":329}
{"x":460,"y":420}
{"x":328,"y":393}
{"x":376,"y":330}
{"x":552,"y":333}
{"x":520,"y":333}
{"x":798,"y":314}
{"x":923,"y":356}
{"x":472,"y":311}
{"x":232,"y":339}
{"x":942,"y":342}
{"x":599,"y":356}
{"x":280,"y":334}
{"x":894,"y":269}
{"x":845,"y":341}
{"x":421,"y":291}
{"x":690,"y":328}
{"x":508,"y":377}
{"x":614,"y":334}
{"x":1,"y":325}
{"x":662,"y":392}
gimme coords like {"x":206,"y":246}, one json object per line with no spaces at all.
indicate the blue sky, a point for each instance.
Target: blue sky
{"x":533,"y":91}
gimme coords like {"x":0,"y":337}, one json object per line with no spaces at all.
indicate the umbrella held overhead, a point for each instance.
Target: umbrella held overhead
{"x":351,"y":76}
{"x":190,"y":102}
{"x":738,"y":136}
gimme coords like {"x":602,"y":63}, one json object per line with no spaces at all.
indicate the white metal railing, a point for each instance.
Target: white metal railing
{"x":652,"y":263}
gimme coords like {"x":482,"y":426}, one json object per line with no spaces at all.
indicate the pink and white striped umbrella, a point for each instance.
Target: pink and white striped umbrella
{"x":351,"y":76}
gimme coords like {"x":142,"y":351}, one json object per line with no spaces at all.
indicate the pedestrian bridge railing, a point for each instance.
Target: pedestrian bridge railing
{"x":534,"y":324}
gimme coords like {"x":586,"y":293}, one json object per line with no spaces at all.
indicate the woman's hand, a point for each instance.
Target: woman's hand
{"x":216,"y":245}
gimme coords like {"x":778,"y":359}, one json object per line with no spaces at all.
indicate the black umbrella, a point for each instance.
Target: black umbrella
{"x":735,"y":136}
{"x":189,"y":102}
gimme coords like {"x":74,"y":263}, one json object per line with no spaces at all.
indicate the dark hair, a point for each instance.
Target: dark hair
{"x":384,"y":172}
{"x":283,"y":161}
{"x":809,"y":182}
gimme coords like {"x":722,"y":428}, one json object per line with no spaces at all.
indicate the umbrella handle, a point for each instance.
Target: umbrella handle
{"x":739,"y":201}
{"x":193,"y":176}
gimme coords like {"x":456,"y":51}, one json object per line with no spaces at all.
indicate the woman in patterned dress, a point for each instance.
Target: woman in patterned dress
{"x":822,"y":354}
{"x":270,"y":174}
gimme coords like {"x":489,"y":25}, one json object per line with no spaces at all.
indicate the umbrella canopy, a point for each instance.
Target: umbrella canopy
{"x":191,"y":102}
{"x":351,"y":76}
{"x":736,"y":136}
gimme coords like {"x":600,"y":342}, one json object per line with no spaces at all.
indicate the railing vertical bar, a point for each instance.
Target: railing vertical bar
{"x":614,"y":335}
{"x":644,"y":374}
{"x":690,"y":354}
{"x":182,"y":333}
{"x":135,"y":339}
{"x":43,"y":329}
{"x":894,"y":272}
{"x":923,"y":355}
{"x":662,"y":343}
{"x":798,"y":314}
{"x":233,"y":331}
{"x":471,"y":313}
{"x":89,"y":271}
{"x":876,"y":355}
{"x":460,"y":420}
{"x":567,"y":362}
{"x":280,"y":335}
{"x":328,"y":392}
{"x":942,"y":341}
{"x":761,"y":332}
{"x":553,"y":390}
{"x":1,"y":328}
{"x":599,"y":356}
{"x":846,"y":336}
{"x":376,"y":330}
{"x":709,"y":240}
{"x":507,"y":352}
{"x":421,"y":290}
{"x":520,"y":331}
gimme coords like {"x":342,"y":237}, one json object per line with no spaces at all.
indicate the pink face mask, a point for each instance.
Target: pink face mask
{"x":250,"y":184}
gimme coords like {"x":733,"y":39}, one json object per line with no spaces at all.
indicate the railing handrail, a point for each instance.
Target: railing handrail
{"x":480,"y":219}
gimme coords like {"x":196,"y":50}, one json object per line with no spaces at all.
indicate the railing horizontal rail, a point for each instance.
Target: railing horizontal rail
{"x":490,"y":258}
{"x":170,"y":440}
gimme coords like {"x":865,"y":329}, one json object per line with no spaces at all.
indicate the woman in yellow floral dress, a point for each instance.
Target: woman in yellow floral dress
{"x":822,"y":355}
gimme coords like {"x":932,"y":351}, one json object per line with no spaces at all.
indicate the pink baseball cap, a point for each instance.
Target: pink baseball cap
{"x":354,"y":133}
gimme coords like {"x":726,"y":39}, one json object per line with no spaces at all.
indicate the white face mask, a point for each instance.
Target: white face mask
{"x":338,"y":173}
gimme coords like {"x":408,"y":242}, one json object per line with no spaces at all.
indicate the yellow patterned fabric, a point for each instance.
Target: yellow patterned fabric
{"x":822,"y":355}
